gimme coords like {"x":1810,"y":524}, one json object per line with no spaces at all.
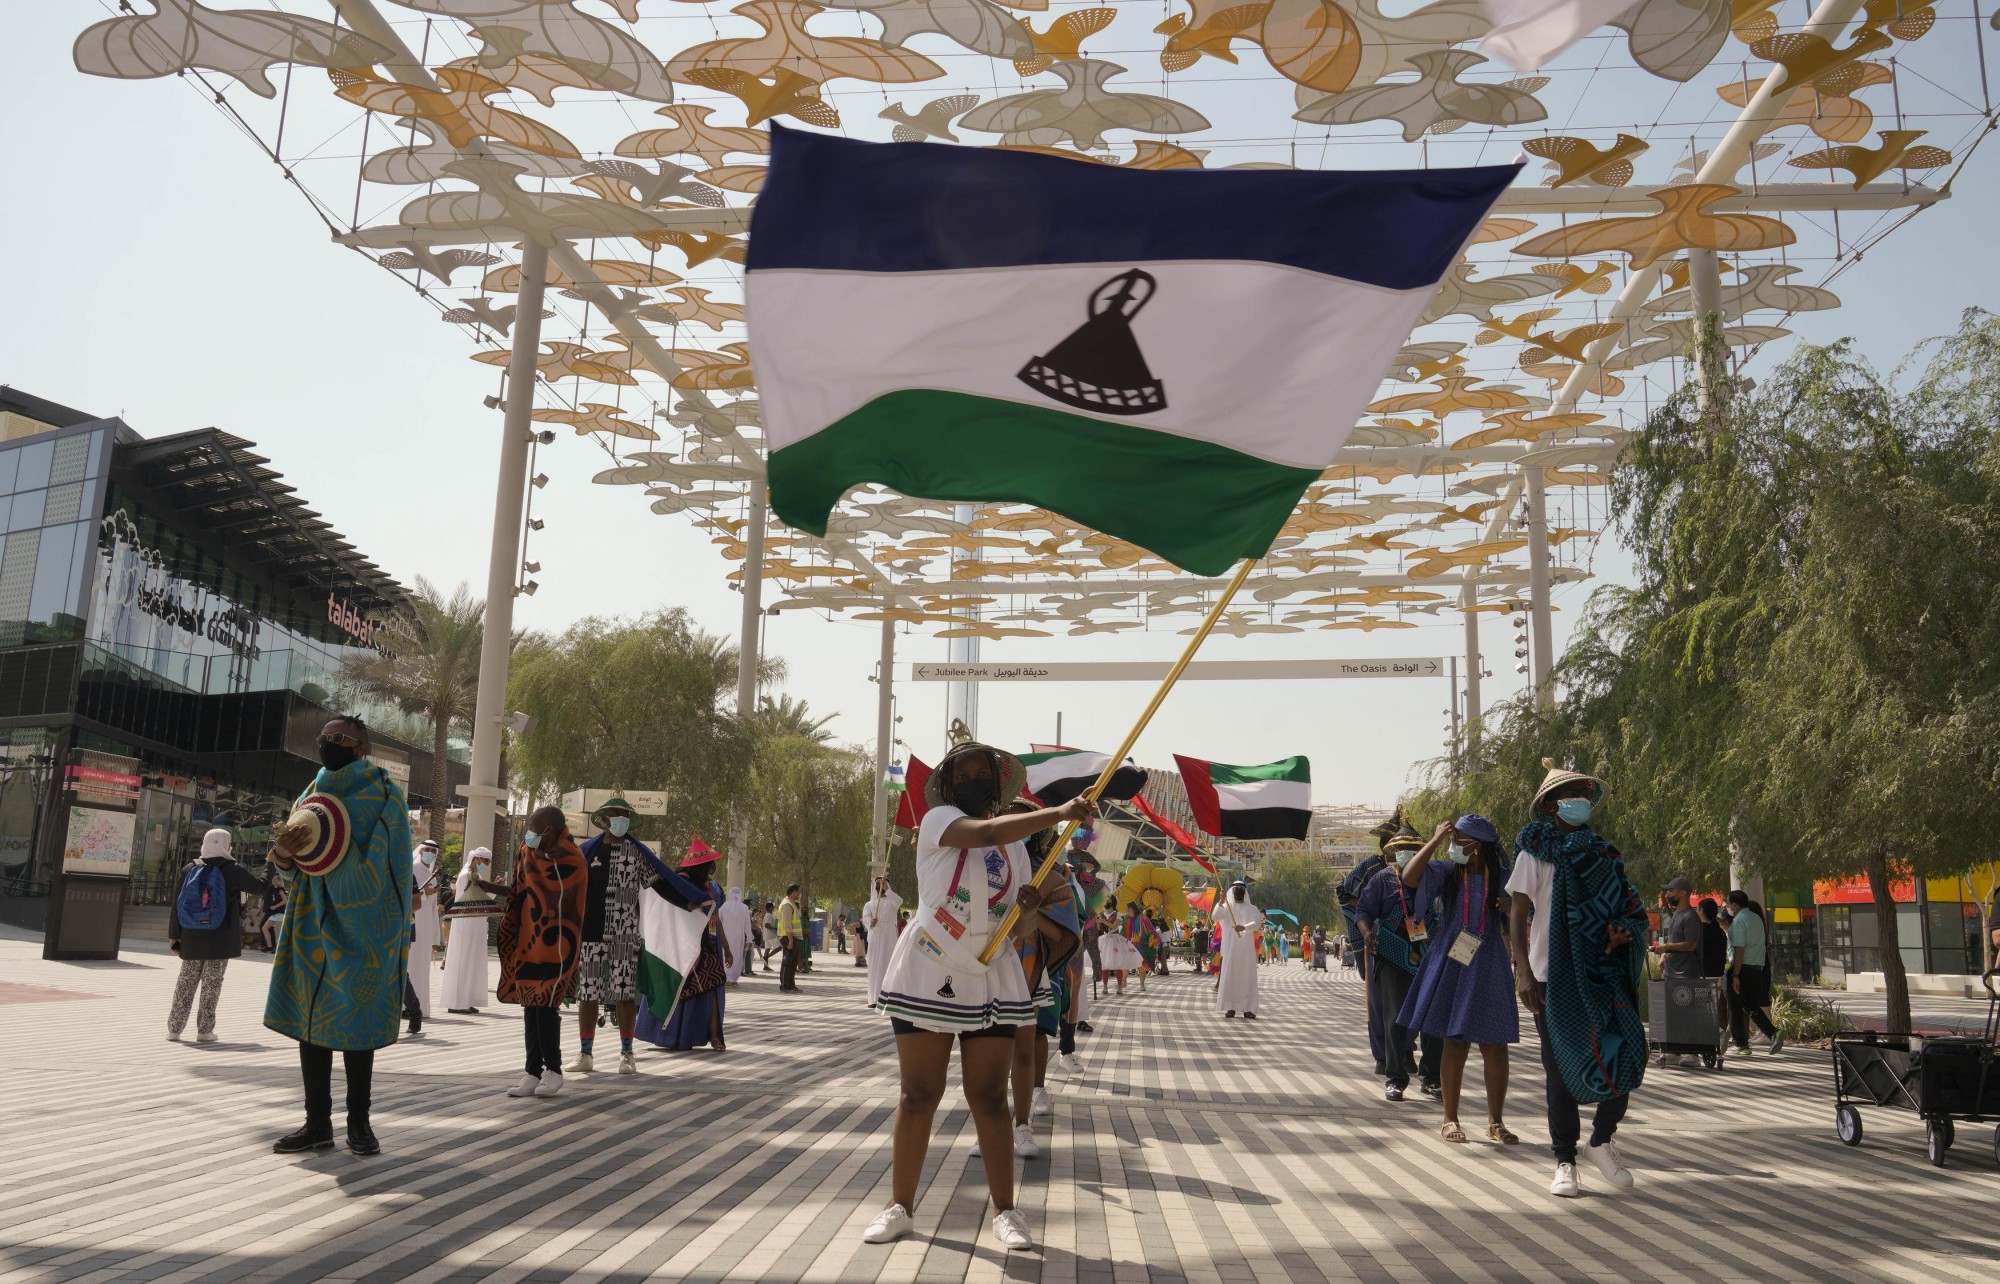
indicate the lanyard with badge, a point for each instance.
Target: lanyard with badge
{"x":1466,"y":946}
{"x":1413,"y":928}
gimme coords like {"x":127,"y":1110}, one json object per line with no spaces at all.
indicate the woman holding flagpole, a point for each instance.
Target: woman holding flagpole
{"x":972,"y":870}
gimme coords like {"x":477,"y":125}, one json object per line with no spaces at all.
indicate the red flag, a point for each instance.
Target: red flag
{"x":1188,"y":842}
{"x":910,"y":808}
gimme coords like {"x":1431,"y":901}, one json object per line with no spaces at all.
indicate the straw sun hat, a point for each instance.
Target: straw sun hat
{"x":1560,"y":776}
{"x":1012,"y":776}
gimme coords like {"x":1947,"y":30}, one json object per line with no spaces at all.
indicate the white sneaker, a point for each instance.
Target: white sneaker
{"x":1041,"y":1107}
{"x":1690,"y":1062}
{"x":1011,"y":1229}
{"x":206,"y":1038}
{"x":1565,"y":1186}
{"x":975,"y":1147}
{"x":525,"y":1088}
{"x":550,"y":1085}
{"x":1072,"y":1063}
{"x":1024,"y":1143}
{"x":1611,"y":1164}
{"x":173,"y":1036}
{"x":891,"y":1223}
{"x":627,"y":1063}
{"x":581,"y":1065}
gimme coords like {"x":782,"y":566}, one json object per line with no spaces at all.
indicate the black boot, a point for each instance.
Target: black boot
{"x":416,"y":1023}
{"x":361,"y":1138}
{"x":311,"y":1137}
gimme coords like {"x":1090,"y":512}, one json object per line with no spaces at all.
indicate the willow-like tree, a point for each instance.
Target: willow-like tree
{"x":1806,"y":670}
{"x":812,"y":811}
{"x":431,"y":672}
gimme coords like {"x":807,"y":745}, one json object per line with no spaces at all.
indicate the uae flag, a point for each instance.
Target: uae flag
{"x":669,"y":943}
{"x":1168,"y":356}
{"x":1059,"y":775}
{"x":1272,"y":800}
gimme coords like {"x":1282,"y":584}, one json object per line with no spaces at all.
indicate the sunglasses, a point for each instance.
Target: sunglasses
{"x":341,"y":738}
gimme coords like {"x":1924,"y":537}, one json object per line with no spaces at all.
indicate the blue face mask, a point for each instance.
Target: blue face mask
{"x":620,"y":826}
{"x":531,"y":840}
{"x":1573,"y":811}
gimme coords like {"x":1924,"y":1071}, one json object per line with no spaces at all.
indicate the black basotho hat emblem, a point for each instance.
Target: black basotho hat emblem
{"x":1099,"y":366}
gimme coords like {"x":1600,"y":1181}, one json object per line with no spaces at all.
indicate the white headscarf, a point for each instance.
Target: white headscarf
{"x":465,"y":875}
{"x":215,"y":845}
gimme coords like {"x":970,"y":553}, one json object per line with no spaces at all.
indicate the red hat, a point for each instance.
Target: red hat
{"x":699,"y":854}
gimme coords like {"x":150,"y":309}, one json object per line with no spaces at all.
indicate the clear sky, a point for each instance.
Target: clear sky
{"x":159,"y":268}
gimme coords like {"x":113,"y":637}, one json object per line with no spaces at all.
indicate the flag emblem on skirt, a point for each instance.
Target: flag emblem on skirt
{"x":1170,"y":357}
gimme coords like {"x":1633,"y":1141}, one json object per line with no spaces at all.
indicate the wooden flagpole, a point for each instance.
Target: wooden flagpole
{"x":1131,"y":738}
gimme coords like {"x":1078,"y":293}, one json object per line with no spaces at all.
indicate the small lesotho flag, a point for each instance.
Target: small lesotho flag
{"x":1170,"y":357}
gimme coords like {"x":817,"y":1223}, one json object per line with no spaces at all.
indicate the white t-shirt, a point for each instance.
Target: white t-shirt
{"x":1536,"y":880}
{"x":921,"y":984}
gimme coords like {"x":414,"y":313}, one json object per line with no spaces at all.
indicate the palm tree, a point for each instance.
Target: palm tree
{"x":432,"y":673}
{"x":789,"y":717}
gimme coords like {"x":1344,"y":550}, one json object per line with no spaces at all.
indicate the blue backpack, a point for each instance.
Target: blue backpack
{"x":204,"y":900}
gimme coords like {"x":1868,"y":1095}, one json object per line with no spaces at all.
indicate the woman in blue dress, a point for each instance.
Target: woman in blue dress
{"x":1464,"y":988}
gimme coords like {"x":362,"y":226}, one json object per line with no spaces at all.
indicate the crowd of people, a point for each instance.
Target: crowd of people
{"x":1454,"y":935}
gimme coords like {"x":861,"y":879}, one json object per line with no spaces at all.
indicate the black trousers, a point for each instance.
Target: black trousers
{"x":1565,"y":1114}
{"x":541,"y":1030}
{"x":316,"y":1068}
{"x":788,"y":964}
{"x":1747,"y":1008}
{"x":1390,"y":987}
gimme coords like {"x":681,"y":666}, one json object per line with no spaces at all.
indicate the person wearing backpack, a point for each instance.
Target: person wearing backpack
{"x":205,"y":927}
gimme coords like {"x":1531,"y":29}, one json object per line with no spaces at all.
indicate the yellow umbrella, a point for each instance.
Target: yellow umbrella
{"x":1157,"y":889}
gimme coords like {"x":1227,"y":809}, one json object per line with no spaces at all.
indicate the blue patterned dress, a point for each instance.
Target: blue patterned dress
{"x":1470,"y":1001}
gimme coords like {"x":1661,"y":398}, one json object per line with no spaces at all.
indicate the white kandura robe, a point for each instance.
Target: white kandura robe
{"x":733,"y":919}
{"x":465,"y":968}
{"x":879,"y":916}
{"x":424,"y":929}
{"x":1238,"y":989}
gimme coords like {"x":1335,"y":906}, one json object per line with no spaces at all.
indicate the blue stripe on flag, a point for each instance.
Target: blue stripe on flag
{"x":836,"y":204}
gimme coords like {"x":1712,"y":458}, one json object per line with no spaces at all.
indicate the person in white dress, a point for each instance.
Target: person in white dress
{"x":465,"y":971}
{"x":971,"y":869}
{"x":425,"y":876}
{"x":1240,"y":920}
{"x":879,"y":917}
{"x":733,"y":921}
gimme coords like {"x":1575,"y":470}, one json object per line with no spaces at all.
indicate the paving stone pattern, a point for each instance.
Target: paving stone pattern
{"x":1192,"y":1149}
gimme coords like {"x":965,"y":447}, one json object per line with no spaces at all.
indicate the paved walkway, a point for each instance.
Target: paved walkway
{"x":1193,"y":1149}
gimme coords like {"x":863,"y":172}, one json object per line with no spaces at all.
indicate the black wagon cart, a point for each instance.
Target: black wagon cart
{"x":1685,"y":1017}
{"x":1945,"y":1079}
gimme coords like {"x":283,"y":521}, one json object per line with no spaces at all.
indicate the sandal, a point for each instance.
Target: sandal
{"x":1498,"y":1132}
{"x":1451,"y":1132}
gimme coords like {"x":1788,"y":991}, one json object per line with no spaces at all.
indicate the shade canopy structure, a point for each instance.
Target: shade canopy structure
{"x":1730,"y":157}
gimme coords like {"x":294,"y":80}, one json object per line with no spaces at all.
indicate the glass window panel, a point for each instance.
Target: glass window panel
{"x":27,"y":510}
{"x":10,"y":465}
{"x":71,"y":456}
{"x":17,"y":574}
{"x":35,"y":461}
{"x":6,"y":510}
{"x":63,"y":504}
{"x":52,"y":563}
{"x":80,"y":567}
{"x":97,"y":440}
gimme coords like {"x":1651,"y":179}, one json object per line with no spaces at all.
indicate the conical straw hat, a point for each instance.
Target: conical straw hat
{"x":1559,"y":776}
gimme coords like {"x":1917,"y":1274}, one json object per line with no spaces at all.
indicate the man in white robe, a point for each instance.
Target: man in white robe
{"x":733,"y":919}
{"x":425,"y":873}
{"x":465,"y":969}
{"x":879,"y":916}
{"x":1240,"y":921}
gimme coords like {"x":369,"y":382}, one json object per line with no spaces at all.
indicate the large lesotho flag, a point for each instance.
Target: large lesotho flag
{"x":1170,"y":357}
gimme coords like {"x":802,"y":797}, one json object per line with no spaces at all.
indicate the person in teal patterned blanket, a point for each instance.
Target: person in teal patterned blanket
{"x":337,"y":979}
{"x":1579,"y":923}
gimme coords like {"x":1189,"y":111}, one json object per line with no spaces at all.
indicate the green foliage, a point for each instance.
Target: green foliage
{"x":812,"y":808}
{"x":431,"y":674}
{"x":634,"y":704}
{"x":1808,"y":667}
{"x":788,"y":717}
{"x":1804,"y":1018}
{"x":1302,"y":885}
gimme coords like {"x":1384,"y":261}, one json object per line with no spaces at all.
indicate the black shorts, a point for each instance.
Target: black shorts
{"x":902,"y":1027}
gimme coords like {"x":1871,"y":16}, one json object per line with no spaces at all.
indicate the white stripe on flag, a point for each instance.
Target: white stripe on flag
{"x":1295,"y":794}
{"x":1528,"y":33}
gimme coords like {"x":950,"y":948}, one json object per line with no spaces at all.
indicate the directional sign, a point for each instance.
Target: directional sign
{"x":1153,"y":671}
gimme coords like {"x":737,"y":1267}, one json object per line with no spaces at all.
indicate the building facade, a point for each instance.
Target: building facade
{"x":175,"y":627}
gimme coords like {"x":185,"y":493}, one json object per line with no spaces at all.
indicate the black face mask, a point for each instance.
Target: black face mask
{"x":974,"y":797}
{"x":333,"y":757}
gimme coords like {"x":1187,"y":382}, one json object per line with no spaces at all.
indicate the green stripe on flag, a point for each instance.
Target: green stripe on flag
{"x":659,"y":983}
{"x":1199,"y":505}
{"x":1293,"y":768}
